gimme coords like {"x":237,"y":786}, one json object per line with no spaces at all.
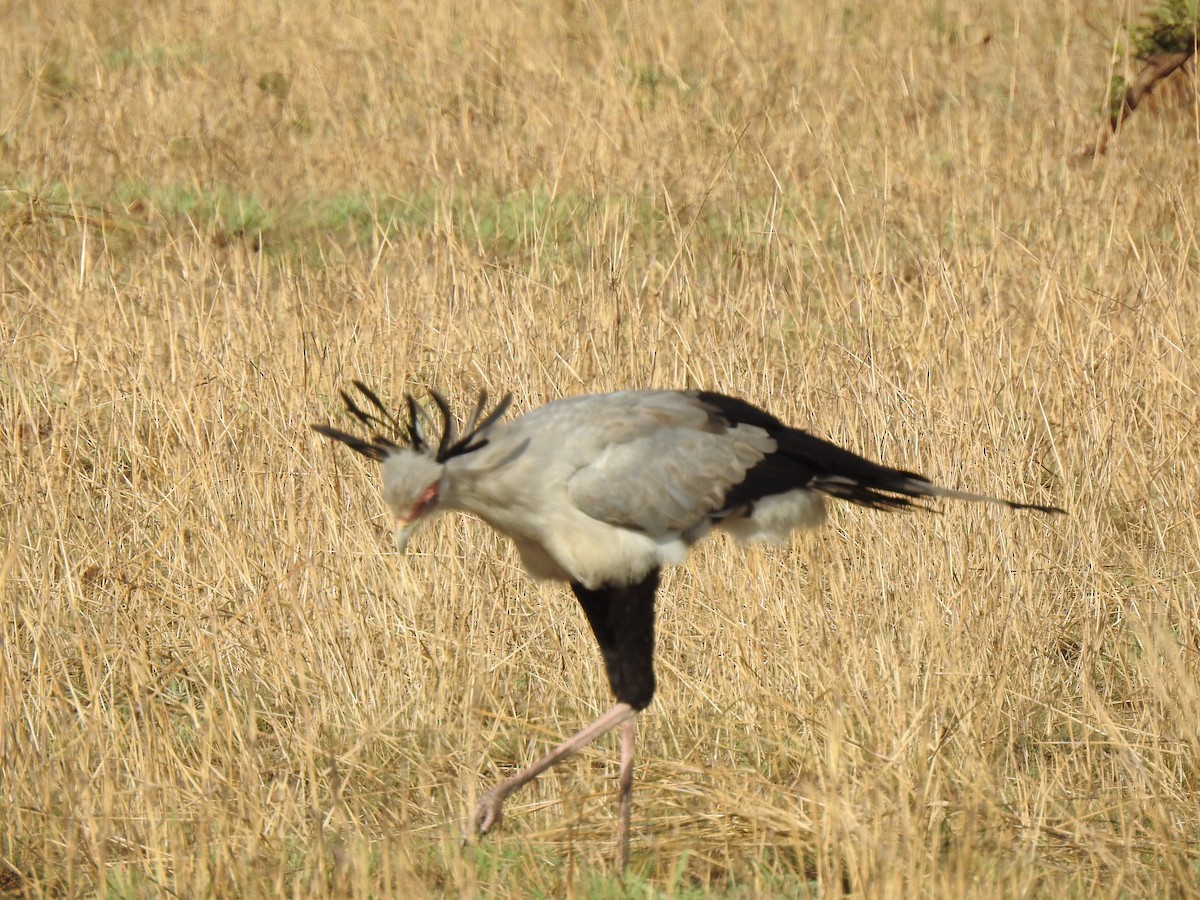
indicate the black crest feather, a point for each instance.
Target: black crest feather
{"x":417,"y":432}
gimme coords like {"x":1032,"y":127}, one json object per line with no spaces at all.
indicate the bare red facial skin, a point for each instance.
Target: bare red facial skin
{"x":424,"y":503}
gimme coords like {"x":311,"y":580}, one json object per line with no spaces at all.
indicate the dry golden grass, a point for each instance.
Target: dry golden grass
{"x":218,"y":679}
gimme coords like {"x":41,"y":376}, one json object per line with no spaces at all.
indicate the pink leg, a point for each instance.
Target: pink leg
{"x":625,"y":783}
{"x":488,"y":811}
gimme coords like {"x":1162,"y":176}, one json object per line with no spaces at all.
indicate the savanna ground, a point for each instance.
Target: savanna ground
{"x":218,"y":678}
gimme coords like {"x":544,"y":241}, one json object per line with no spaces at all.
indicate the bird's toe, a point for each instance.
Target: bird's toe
{"x":487,"y":813}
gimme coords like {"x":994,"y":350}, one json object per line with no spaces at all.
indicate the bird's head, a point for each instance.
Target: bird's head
{"x":411,"y":482}
{"x":414,"y":463}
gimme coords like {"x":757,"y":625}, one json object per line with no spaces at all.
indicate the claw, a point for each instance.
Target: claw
{"x":488,"y":812}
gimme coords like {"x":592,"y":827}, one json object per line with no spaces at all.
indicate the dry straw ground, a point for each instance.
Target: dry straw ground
{"x":217,"y":677}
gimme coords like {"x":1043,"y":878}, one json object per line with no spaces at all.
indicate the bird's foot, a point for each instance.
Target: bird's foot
{"x":487,"y":815}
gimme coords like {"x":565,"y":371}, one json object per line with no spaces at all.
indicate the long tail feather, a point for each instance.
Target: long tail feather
{"x":929,"y":489}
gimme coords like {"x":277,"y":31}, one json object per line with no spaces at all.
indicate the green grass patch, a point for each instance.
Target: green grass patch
{"x":524,"y":230}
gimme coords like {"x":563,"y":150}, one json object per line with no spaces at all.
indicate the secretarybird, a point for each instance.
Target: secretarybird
{"x":602,"y":491}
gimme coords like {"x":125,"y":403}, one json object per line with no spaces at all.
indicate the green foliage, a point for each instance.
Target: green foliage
{"x":275,"y":84}
{"x":1171,"y":27}
{"x":156,"y":56}
{"x":55,"y":81}
{"x":1116,"y":98}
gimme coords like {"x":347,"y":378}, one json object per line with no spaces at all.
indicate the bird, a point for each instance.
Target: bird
{"x":602,"y":491}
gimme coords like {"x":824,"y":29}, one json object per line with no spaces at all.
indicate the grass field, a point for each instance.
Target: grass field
{"x":217,"y":676}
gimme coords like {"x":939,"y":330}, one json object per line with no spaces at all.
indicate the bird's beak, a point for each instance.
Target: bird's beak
{"x":404,"y":530}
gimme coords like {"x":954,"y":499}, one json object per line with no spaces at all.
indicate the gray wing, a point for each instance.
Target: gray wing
{"x":665,"y":461}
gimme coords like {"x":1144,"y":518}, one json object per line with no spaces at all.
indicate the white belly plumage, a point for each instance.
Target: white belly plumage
{"x":575,"y":547}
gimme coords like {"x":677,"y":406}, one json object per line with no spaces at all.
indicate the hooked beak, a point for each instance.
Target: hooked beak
{"x":407,"y":524}
{"x":404,"y":530}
